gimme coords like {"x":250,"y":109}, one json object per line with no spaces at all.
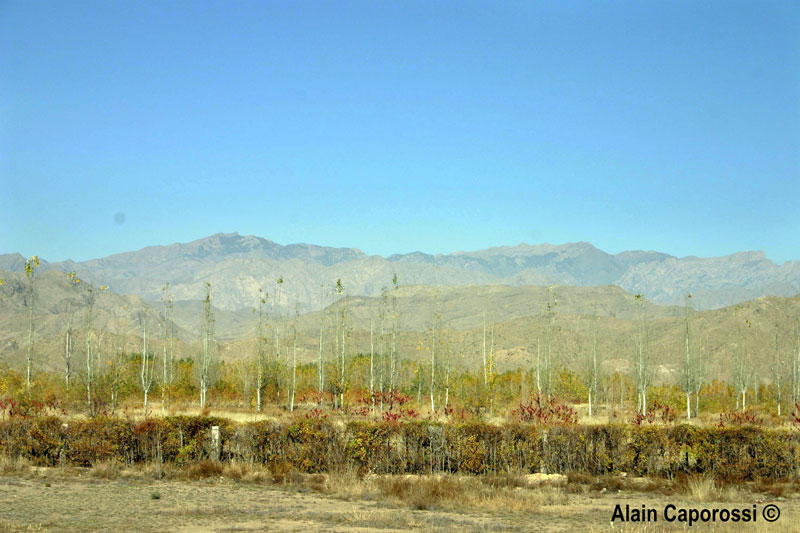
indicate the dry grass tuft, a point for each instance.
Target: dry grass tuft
{"x":110,"y":469}
{"x":202,"y":470}
{"x":156,"y":470}
{"x":446,"y":492}
{"x":11,"y":527}
{"x":772,"y":488}
{"x":14,"y":465}
{"x":283,"y":472}
{"x":421,"y":492}
{"x":580,"y":478}
{"x":506,"y":481}
{"x":246,"y":473}
{"x":608,"y":484}
{"x":702,"y":488}
{"x":316,"y":482}
{"x":344,"y":485}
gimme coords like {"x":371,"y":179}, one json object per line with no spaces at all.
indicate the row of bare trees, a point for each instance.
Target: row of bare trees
{"x":275,"y":359}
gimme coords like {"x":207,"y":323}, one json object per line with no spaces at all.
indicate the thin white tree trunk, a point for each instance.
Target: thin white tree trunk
{"x":371,"y":366}
{"x":485,"y":372}
{"x":433,"y":367}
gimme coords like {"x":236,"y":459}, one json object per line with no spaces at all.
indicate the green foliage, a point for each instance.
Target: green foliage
{"x":569,"y":386}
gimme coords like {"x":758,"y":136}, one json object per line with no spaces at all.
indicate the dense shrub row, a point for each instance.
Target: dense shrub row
{"x":319,"y":445}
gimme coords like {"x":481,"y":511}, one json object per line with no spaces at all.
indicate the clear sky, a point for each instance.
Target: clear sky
{"x":400,"y":126}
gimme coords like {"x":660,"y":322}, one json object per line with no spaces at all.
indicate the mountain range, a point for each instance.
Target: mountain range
{"x":514,"y":317}
{"x":237,"y":266}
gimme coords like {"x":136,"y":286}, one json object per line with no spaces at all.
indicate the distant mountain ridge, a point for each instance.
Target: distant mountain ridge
{"x":237,"y":266}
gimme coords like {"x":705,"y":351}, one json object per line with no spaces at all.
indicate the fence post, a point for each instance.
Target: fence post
{"x":215,"y":443}
{"x":545,"y":450}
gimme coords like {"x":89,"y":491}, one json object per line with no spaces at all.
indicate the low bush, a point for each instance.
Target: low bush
{"x":317,"y":445}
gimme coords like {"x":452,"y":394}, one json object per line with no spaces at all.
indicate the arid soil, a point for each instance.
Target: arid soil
{"x":39,"y":499}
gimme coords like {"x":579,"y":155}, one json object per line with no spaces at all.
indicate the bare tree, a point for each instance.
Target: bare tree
{"x":382,"y":346}
{"x":294,"y":358}
{"x":698,"y":374}
{"x":116,"y":363}
{"x":688,"y":378}
{"x":147,"y":363}
{"x":483,"y":356}
{"x":278,"y":366}
{"x":69,"y":341}
{"x":393,"y":351}
{"x":30,"y":300}
{"x":206,"y":355}
{"x":320,"y":357}
{"x":778,"y":368}
{"x":643,"y":374}
{"x":168,"y":348}
{"x":593,"y":368}
{"x":488,"y":360}
{"x":447,"y":348}
{"x":491,"y":368}
{"x":89,"y":298}
{"x":741,"y":366}
{"x":796,"y":365}
{"x":341,"y":345}
{"x":372,"y":365}
{"x":547,"y":363}
{"x":436,"y":319}
{"x":538,"y":367}
{"x":262,"y":342}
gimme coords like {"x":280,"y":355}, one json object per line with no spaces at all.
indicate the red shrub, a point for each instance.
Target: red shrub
{"x":545,"y":411}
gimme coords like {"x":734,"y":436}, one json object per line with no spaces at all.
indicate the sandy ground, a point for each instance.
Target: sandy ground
{"x":52,"y":501}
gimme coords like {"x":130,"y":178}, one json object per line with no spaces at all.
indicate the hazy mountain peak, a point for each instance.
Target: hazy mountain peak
{"x":12,"y":262}
{"x":237,"y":265}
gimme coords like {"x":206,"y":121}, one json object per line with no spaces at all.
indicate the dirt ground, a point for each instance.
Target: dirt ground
{"x":52,"y":500}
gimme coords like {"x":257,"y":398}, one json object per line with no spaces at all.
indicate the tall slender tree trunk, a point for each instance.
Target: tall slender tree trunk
{"x":68,"y":349}
{"x":144,"y":364}
{"x":294,"y":372}
{"x":433,"y":367}
{"x":538,"y":368}
{"x":320,"y":362}
{"x":29,"y":353}
{"x":371,"y":367}
{"x":485,"y":371}
{"x":259,"y":386}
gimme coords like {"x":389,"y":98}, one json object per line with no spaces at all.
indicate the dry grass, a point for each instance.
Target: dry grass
{"x":106,"y":470}
{"x":14,"y":465}
{"x":247,"y":473}
{"x":202,"y":470}
{"x":9,"y":527}
{"x":441,"y":492}
{"x":778,"y":527}
{"x":704,"y":488}
{"x":209,"y":492}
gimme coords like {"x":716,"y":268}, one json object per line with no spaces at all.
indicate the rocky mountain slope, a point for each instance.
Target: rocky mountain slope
{"x":237,"y":266}
{"x":517,"y":315}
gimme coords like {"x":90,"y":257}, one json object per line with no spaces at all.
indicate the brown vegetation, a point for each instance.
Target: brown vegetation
{"x":310,"y":445}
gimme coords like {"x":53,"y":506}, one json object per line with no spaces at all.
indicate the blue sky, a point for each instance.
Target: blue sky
{"x":400,"y":126}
